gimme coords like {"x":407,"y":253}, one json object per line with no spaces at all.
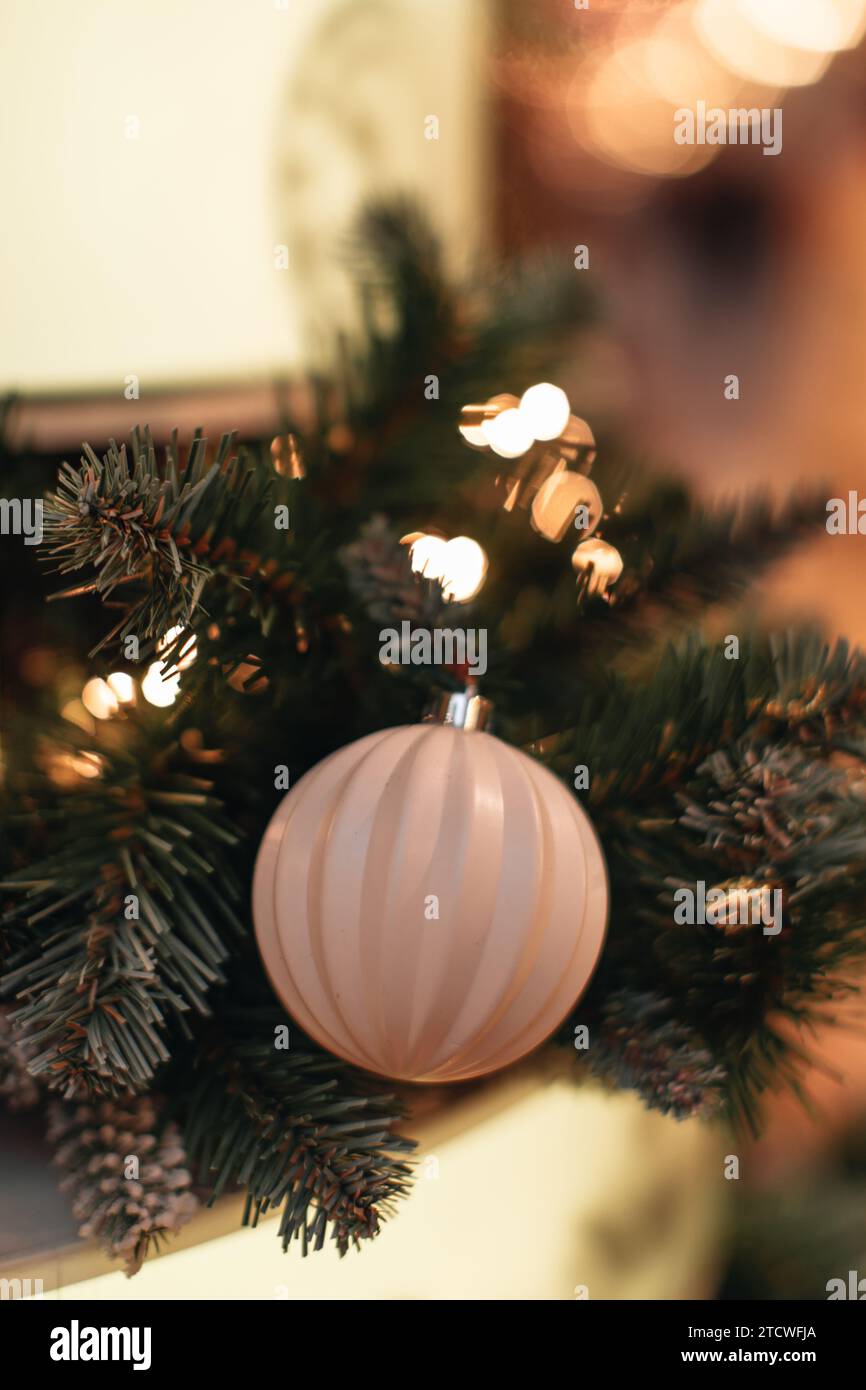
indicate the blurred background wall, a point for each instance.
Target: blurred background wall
{"x":156,"y":157}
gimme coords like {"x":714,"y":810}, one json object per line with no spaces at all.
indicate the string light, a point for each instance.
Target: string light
{"x":99,"y":699}
{"x":508,"y":434}
{"x":474,"y":436}
{"x":122,"y":686}
{"x":605,"y":562}
{"x":464,"y":570}
{"x":427,"y":555}
{"x":545,"y":410}
{"x":157,"y":691}
{"x":460,"y":565}
{"x":188,"y":652}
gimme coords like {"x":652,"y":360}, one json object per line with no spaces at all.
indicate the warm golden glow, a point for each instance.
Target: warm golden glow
{"x":680,"y":69}
{"x":474,"y":435}
{"x":446,"y":1242}
{"x":732,"y":37}
{"x":122,"y":686}
{"x":157,"y":691}
{"x":67,"y":769}
{"x":508,"y":434}
{"x":186,"y":653}
{"x":460,"y":564}
{"x":464,"y":569}
{"x":427,"y":556}
{"x":819,"y":26}
{"x":545,"y":410}
{"x":624,"y":122}
{"x":99,"y":699}
{"x":605,"y":560}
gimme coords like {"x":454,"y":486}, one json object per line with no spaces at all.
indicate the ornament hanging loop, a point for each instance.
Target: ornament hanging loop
{"x":462,"y":709}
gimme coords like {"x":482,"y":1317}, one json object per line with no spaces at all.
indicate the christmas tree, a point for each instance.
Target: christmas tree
{"x":237,"y":596}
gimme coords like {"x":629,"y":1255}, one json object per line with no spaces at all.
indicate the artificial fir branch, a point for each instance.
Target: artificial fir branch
{"x":298,"y":1129}
{"x":125,"y":926}
{"x":729,"y":773}
{"x":640,"y":1046}
{"x":126,"y":1171}
{"x":152,"y":534}
{"x":646,"y":733}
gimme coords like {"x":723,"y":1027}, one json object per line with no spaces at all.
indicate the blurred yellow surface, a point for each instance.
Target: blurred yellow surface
{"x":565,"y":1190}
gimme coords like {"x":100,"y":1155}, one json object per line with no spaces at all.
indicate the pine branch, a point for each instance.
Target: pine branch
{"x":298,"y":1129}
{"x":638,"y":1045}
{"x":124,"y":927}
{"x":682,"y":558}
{"x":152,"y":535}
{"x":644,"y":735}
{"x":739,"y":784}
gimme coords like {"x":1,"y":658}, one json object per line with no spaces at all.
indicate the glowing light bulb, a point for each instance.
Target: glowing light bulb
{"x":464,"y":569}
{"x":187,"y":653}
{"x":99,"y":699}
{"x":65,"y":769}
{"x":427,"y":556}
{"x":605,"y":560}
{"x":122,"y":686}
{"x":474,"y":436}
{"x":819,"y":26}
{"x":157,"y":691}
{"x":508,"y":434}
{"x":733,"y":38}
{"x":546,"y":410}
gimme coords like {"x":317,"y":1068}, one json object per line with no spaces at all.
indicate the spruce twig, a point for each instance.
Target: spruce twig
{"x":298,"y":1129}
{"x":125,"y":927}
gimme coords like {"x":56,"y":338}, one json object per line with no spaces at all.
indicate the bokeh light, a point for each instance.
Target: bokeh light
{"x":508,"y":434}
{"x":427,"y":556}
{"x":99,"y":699}
{"x":732,"y":37}
{"x":157,"y":691}
{"x":545,"y":410}
{"x":122,"y":686}
{"x":819,"y":26}
{"x":186,"y":655}
{"x":464,"y":570}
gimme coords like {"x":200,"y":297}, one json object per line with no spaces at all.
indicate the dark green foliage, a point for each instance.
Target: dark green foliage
{"x":748,"y":774}
{"x":96,"y":988}
{"x":152,"y":534}
{"x":639,"y":1046}
{"x":298,"y":1129}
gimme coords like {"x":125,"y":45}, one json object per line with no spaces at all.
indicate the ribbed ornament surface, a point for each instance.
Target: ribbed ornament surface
{"x":348,"y":875}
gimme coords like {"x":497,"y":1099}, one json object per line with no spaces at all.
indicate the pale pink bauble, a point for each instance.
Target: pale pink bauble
{"x":342,"y":889}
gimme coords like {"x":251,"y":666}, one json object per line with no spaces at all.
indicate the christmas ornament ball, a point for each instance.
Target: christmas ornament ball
{"x":429,"y":902}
